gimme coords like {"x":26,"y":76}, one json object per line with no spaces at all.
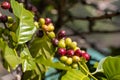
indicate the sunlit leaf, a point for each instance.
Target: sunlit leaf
{"x":27,"y":60}
{"x":26,"y":26}
{"x":2,"y":45}
{"x":42,"y":46}
{"x":11,"y":57}
{"x":100,"y":67}
{"x":111,"y":67}
{"x":75,"y":75}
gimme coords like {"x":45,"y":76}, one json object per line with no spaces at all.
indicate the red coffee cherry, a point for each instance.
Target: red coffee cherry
{"x":3,"y":18}
{"x":5,"y":5}
{"x":47,"y":21}
{"x":61,"y":34}
{"x":70,"y":52}
{"x":61,"y":51}
{"x":78,"y":52}
{"x":86,"y":56}
{"x":55,"y":41}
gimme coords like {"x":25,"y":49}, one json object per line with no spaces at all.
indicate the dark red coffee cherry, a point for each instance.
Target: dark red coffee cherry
{"x":86,"y":56}
{"x":70,"y":52}
{"x":61,"y":34}
{"x":47,"y":21}
{"x":34,"y":9}
{"x":40,"y":33}
{"x":55,"y":41}
{"x":61,"y":51}
{"x":5,"y":5}
{"x":78,"y":52}
{"x":3,"y":18}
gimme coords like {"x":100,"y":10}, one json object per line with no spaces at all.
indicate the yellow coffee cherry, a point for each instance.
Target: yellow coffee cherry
{"x":41,"y":21}
{"x":69,"y":61}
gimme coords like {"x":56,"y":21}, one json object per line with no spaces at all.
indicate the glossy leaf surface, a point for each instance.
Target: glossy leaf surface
{"x":26,"y":26}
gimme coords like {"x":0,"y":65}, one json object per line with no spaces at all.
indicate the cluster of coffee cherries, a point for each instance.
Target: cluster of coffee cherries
{"x":70,"y":54}
{"x":46,"y":26}
{"x":68,"y":51}
{"x":3,"y":18}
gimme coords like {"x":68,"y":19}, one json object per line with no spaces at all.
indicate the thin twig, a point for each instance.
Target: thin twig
{"x":105,"y":16}
{"x":5,"y":25}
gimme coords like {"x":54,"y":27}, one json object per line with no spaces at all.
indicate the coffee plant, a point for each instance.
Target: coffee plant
{"x":32,"y":46}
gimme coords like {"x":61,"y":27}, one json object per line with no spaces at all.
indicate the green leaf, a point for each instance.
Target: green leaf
{"x":102,"y":78}
{"x":30,"y":75}
{"x":111,"y":67}
{"x":27,"y":60}
{"x":11,"y":57}
{"x":42,"y":46}
{"x":2,"y":45}
{"x":48,"y":62}
{"x":13,"y":35}
{"x":75,"y":75}
{"x":100,"y":67}
{"x":26,"y":26}
{"x":1,"y":30}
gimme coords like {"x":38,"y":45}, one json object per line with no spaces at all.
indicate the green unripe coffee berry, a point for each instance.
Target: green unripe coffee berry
{"x":75,"y":65}
{"x":73,"y":45}
{"x":61,"y":43}
{"x":76,"y":58}
{"x":51,"y":34}
{"x":63,"y":58}
{"x":69,"y":61}
{"x":36,"y":24}
{"x":41,"y":21}
{"x":13,"y":26}
{"x":10,"y":19}
{"x":68,"y":41}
